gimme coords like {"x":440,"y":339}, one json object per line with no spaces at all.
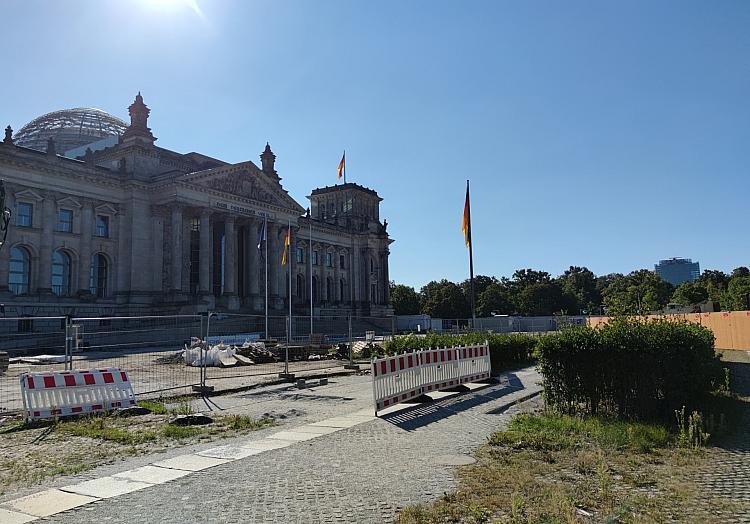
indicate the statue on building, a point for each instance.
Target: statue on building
{"x":5,"y":218}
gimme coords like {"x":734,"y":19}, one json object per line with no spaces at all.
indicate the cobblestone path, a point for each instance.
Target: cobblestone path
{"x":362,"y":474}
{"x":728,"y":472}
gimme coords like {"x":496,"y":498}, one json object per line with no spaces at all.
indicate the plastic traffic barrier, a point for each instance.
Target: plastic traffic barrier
{"x":63,"y":393}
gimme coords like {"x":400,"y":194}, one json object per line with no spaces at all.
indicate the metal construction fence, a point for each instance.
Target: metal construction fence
{"x":151,"y":348}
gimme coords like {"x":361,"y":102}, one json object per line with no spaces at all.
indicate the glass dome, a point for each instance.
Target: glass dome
{"x":70,"y":128}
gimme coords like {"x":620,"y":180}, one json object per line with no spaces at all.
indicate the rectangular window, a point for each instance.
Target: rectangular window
{"x":24,"y":214}
{"x":65,"y":220}
{"x":102,"y":226}
{"x":329,"y":259}
{"x":315,"y":257}
{"x":341,"y":261}
{"x":300,"y":255}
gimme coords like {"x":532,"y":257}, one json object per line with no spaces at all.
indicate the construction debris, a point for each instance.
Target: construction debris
{"x":223,"y":355}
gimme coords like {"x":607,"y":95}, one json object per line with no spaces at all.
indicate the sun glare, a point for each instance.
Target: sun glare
{"x":172,"y":5}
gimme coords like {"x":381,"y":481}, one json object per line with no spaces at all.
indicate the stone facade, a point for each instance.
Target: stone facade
{"x":138,"y":229}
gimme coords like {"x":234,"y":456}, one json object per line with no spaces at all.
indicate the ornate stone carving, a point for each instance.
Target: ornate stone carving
{"x":243,"y":185}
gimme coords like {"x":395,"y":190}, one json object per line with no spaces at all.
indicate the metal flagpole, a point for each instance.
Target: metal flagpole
{"x":309,"y":259}
{"x":471,"y":260}
{"x":344,"y":166}
{"x":289,"y":270}
{"x":265,"y":235}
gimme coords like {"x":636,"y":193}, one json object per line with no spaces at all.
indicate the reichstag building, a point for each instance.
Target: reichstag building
{"x":105,"y":222}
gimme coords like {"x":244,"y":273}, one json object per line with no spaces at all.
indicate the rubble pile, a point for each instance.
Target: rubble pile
{"x":223,"y":355}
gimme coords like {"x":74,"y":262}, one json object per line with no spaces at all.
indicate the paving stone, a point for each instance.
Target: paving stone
{"x":106,"y":487}
{"x":292,"y":435}
{"x":49,"y":502}
{"x":152,"y":474}
{"x":190,"y":462}
{"x":337,"y":422}
{"x":231,"y":452}
{"x":268,"y":444}
{"x":317,"y":430}
{"x":13,"y":517}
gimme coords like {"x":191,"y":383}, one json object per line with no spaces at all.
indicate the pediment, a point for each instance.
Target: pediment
{"x":69,"y":202}
{"x":106,"y":209}
{"x":243,"y":180}
{"x":28,"y":194}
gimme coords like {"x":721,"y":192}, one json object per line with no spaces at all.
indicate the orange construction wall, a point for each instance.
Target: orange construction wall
{"x":731,"y":328}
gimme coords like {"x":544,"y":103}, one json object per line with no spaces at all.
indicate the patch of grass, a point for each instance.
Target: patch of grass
{"x":96,"y":427}
{"x":241,"y":422}
{"x":558,"y":432}
{"x":172,"y":431}
{"x":559,"y":469}
{"x":159,"y":407}
{"x":156,"y":407}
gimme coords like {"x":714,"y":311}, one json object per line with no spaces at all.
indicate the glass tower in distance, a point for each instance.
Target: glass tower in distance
{"x":678,"y":270}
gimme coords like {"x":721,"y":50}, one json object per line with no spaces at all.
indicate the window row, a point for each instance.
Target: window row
{"x":19,"y":273}
{"x":303,"y":289}
{"x":64,"y":224}
{"x":316,"y":258}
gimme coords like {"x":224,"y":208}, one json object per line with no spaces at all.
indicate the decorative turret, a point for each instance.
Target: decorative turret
{"x":8,"y":136}
{"x":138,"y":129}
{"x":267,"y":159}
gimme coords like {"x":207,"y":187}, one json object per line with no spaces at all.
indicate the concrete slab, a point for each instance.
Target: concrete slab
{"x":152,"y":474}
{"x":190,"y":462}
{"x":293,"y":435}
{"x":318,"y":430}
{"x":49,"y":502}
{"x":230,"y":452}
{"x":13,"y":517}
{"x":106,"y":487}
{"x":337,"y":422}
{"x":268,"y":444}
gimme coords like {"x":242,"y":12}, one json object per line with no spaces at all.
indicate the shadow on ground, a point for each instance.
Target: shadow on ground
{"x":421,"y":415}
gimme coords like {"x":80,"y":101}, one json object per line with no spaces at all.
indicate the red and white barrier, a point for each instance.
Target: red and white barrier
{"x":62,"y":393}
{"x":403,"y":377}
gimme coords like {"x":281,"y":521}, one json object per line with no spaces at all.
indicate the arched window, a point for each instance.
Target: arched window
{"x":330,"y":290}
{"x":301,"y":286}
{"x":98,"y":275}
{"x":61,"y":269}
{"x":19,"y":270}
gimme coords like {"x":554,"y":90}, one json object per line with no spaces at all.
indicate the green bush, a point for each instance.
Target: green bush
{"x":629,"y":368}
{"x":506,"y":350}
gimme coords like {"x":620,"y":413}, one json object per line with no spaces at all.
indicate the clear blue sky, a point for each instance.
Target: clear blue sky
{"x":599,"y":133}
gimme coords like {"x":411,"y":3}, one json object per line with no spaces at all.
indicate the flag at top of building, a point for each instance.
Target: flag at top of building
{"x":342,"y":167}
{"x":287,"y":241}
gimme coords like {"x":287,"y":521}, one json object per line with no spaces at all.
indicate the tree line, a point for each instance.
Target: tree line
{"x":578,"y":291}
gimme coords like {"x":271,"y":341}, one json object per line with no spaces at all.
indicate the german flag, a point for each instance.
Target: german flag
{"x":466,"y":223}
{"x":342,"y":166}
{"x":287,"y":241}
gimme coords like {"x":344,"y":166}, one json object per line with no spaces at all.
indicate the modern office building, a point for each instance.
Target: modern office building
{"x":105,"y":222}
{"x":678,"y":270}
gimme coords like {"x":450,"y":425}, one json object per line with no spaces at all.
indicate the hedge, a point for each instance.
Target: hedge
{"x":506,"y":350}
{"x":629,"y":368}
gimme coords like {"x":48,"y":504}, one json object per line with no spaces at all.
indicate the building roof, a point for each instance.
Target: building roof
{"x":340,"y":187}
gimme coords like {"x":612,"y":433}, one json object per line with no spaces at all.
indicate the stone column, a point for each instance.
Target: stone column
{"x":177,"y":248}
{"x":336,"y":278}
{"x":84,"y":260}
{"x":255,"y":266}
{"x":230,"y":258}
{"x":386,"y":281}
{"x":44,"y":275}
{"x":204,"y":263}
{"x":274,"y":262}
{"x":157,"y":284}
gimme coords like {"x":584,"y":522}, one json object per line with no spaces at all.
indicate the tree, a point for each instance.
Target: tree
{"x":579,"y":290}
{"x":404,"y":299}
{"x":741,"y":271}
{"x":497,"y":299}
{"x":737,"y":293}
{"x":715,"y":283}
{"x":444,"y":299}
{"x":543,"y":298}
{"x":690,"y":293}
{"x":638,"y":293}
{"x":480,"y":284}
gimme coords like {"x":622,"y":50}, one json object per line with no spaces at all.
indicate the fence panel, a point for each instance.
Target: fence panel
{"x":149,"y":348}
{"x":32,"y":344}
